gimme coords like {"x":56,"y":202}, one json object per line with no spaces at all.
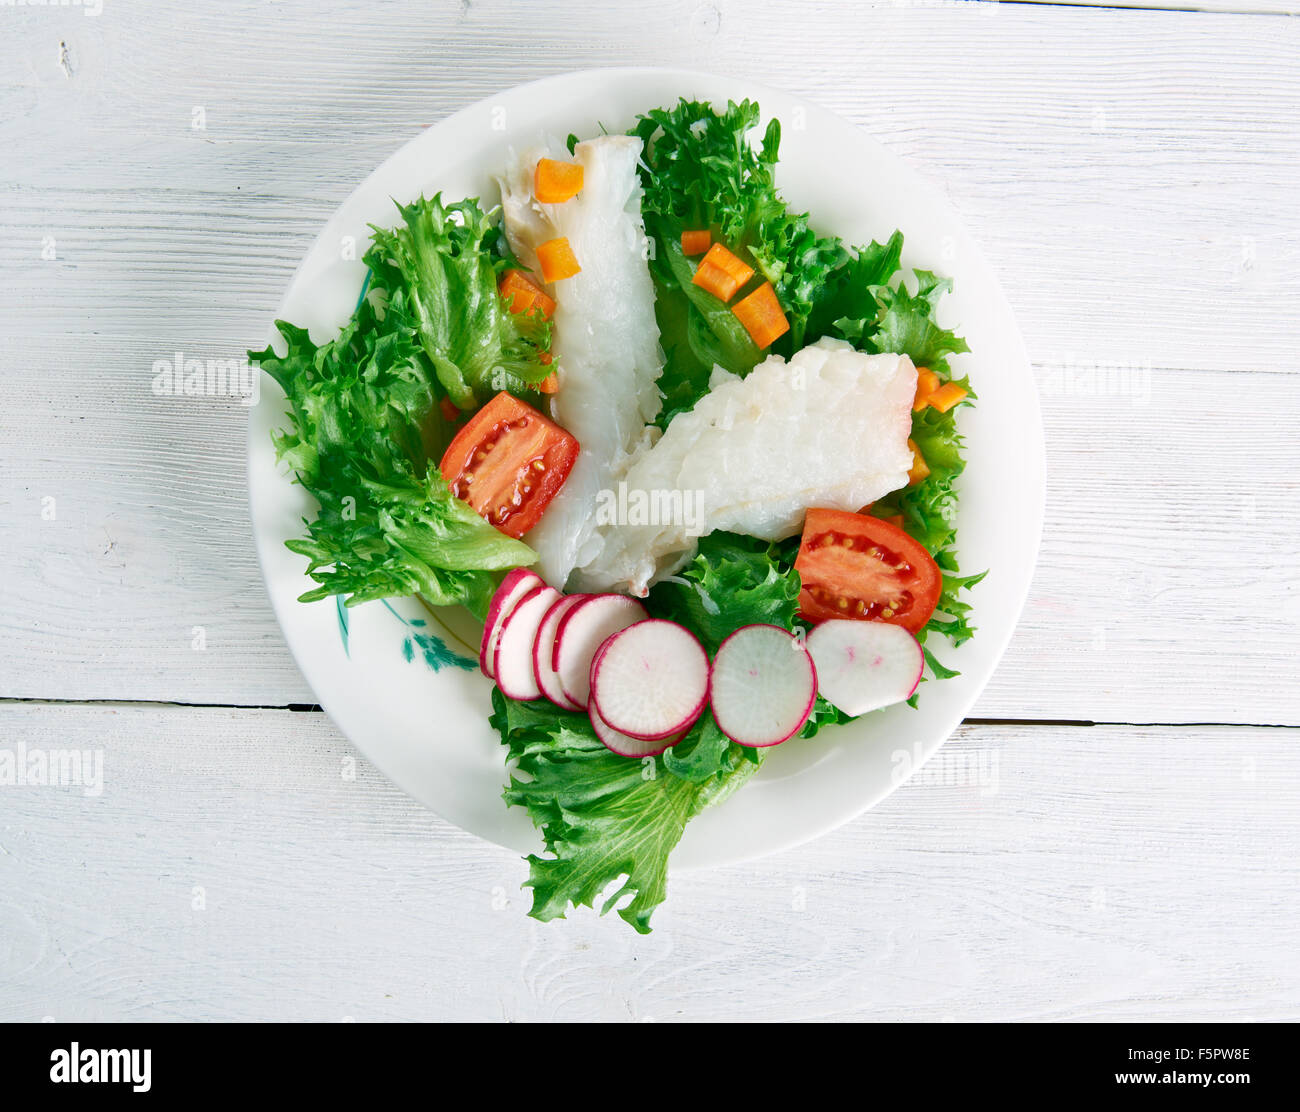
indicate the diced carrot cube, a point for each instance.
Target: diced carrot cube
{"x":449,"y":411}
{"x":557,"y":260}
{"x":947,"y":396}
{"x":715,"y":280}
{"x":761,"y":314}
{"x":550,"y":384}
{"x":555,"y":182}
{"x":696,"y":242}
{"x":721,"y":273}
{"x":927,"y":382}
{"x":920,"y":469}
{"x":523,"y":294}
{"x":544,"y":303}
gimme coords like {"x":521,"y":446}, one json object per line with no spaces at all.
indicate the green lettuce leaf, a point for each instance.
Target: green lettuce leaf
{"x":699,"y":170}
{"x":696,"y":330}
{"x":732,"y":582}
{"x":439,"y":270}
{"x":363,"y":437}
{"x":903,"y":322}
{"x":604,"y":817}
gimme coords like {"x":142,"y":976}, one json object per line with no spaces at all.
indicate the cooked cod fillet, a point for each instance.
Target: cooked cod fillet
{"x":606,"y":341}
{"x":829,"y":429}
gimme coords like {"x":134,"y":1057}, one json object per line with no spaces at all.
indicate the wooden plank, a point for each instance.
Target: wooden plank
{"x":984,"y":889}
{"x":1174,"y":7}
{"x":1165,"y":589}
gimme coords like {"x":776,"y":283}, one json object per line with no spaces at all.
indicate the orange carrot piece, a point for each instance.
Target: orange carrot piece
{"x":927,"y":382}
{"x":550,"y":384}
{"x":896,"y":520}
{"x":523,"y":294}
{"x":920,"y":469}
{"x":519,"y":299}
{"x":947,"y":396}
{"x":715,"y":280}
{"x":736,"y":267}
{"x":760,"y":312}
{"x":554,"y":182}
{"x":557,"y":260}
{"x":696,"y":242}
{"x":449,"y":411}
{"x":517,"y":282}
{"x":721,"y":273}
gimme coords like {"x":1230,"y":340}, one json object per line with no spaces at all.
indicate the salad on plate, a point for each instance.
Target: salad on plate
{"x":689,"y":459}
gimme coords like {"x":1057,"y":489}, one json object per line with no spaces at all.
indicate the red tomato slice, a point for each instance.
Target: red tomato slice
{"x":508,"y":463}
{"x":853,"y":566}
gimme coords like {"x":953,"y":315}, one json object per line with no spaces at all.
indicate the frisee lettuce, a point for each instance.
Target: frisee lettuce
{"x":364,"y":431}
{"x":733,"y":581}
{"x":603,"y":816}
{"x":443,"y":262}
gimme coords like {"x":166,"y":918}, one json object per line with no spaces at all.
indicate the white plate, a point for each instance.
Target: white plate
{"x":427,"y":730}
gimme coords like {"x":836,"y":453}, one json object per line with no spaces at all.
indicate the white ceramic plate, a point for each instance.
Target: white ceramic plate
{"x":385,"y":678}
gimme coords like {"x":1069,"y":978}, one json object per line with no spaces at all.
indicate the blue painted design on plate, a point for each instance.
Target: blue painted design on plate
{"x":343,"y":624}
{"x":436,"y":652}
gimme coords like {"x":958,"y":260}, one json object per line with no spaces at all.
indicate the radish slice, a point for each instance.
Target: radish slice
{"x":582,"y":631}
{"x":514,"y":586}
{"x":627,"y":746}
{"x":544,"y":649}
{"x":651,"y":680}
{"x":513,"y":663}
{"x":764,"y":686}
{"x":864,"y":666}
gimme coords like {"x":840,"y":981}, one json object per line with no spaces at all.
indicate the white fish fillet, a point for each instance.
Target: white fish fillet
{"x":829,"y":429}
{"x":606,"y":341}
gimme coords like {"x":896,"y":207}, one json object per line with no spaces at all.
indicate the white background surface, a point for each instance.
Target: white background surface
{"x":1133,"y":851}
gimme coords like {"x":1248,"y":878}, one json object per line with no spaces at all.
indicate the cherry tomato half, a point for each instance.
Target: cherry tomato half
{"x":854,"y":566}
{"x":508,"y":462}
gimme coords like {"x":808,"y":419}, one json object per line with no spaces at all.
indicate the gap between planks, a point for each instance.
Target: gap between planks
{"x":316,"y":708}
{"x":1224,"y":9}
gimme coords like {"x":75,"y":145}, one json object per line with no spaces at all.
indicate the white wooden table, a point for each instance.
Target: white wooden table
{"x":1134,"y":852}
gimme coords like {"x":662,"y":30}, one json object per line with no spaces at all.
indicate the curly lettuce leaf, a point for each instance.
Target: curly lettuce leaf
{"x":732,"y":582}
{"x":604,"y":817}
{"x":699,"y":170}
{"x":439,"y":270}
{"x":359,"y":421}
{"x":896,"y":320}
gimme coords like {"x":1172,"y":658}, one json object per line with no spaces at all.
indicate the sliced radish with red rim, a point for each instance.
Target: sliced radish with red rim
{"x":544,"y":650}
{"x":514,"y":587}
{"x":625,"y":745}
{"x":764,"y":686}
{"x":650,"y":681}
{"x":512,"y":664}
{"x":581,"y":632}
{"x":863,"y":666}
